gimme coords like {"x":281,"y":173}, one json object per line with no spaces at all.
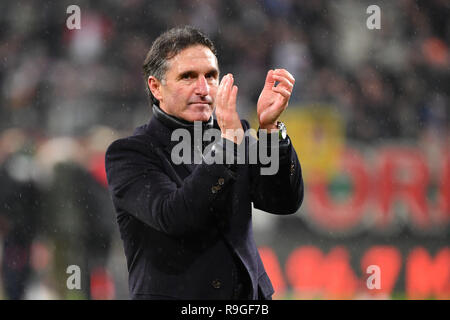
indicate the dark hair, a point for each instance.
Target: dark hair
{"x":168,"y":45}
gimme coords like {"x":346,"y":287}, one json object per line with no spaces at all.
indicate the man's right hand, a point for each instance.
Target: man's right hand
{"x":227,"y":116}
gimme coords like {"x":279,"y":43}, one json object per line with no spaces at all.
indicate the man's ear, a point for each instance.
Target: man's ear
{"x":155,"y":87}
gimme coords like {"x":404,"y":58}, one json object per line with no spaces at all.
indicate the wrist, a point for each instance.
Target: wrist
{"x":269,"y":127}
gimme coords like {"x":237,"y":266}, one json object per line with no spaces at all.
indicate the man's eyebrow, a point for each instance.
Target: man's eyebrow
{"x":187,"y":73}
{"x":214,"y":72}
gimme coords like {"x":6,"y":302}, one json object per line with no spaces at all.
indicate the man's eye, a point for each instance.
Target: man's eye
{"x":211,"y":78}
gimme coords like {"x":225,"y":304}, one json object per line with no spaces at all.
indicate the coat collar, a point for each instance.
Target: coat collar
{"x":176,"y":123}
{"x":161,"y":126}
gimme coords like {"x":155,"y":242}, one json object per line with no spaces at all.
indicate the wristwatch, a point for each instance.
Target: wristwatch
{"x":282,"y":131}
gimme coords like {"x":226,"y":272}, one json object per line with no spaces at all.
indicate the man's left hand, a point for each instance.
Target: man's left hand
{"x":273,"y":100}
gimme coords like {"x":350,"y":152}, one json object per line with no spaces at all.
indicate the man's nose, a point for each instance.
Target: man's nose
{"x":201,"y":86}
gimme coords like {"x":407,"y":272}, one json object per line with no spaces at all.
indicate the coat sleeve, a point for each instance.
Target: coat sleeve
{"x":140,"y":187}
{"x":282,"y":192}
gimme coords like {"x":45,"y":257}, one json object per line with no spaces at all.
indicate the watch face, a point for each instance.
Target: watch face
{"x":283,"y":131}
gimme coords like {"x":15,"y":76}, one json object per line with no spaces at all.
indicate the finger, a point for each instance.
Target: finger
{"x":220,"y":95}
{"x":233,"y":97}
{"x":285,"y":73}
{"x":284,"y":82}
{"x":284,"y":92}
{"x":227,"y":90}
{"x":270,"y":81}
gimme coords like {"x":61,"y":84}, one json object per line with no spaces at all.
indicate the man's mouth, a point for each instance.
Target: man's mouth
{"x":201,"y":102}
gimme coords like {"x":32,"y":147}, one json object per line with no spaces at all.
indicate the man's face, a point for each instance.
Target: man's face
{"x":190,"y":84}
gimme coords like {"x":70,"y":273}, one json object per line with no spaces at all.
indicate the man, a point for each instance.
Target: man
{"x":187,"y":227}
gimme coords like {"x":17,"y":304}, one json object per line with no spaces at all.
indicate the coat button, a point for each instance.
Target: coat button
{"x":221,"y":181}
{"x":216,"y":284}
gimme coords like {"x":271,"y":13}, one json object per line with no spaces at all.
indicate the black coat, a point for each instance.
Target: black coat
{"x":184,"y":226}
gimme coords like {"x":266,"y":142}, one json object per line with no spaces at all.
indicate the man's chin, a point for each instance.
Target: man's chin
{"x":199,"y":115}
{"x":202,"y":118}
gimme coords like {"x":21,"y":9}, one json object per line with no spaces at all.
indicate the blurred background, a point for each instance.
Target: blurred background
{"x":369,"y":118}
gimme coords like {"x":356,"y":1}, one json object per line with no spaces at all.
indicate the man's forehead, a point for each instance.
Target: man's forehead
{"x":197,"y":57}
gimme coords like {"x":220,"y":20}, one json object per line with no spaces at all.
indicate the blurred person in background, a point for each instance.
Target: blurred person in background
{"x":19,"y":211}
{"x":187,"y":229}
{"x":78,"y":219}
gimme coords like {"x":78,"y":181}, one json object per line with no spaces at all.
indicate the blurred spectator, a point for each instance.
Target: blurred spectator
{"x":19,"y":211}
{"x":79,"y":220}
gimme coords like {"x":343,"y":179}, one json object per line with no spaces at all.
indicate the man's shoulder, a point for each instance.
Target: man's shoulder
{"x":130,"y":153}
{"x":139,"y":141}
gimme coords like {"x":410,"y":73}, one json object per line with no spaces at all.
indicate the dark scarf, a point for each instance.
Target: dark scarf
{"x":175,"y":123}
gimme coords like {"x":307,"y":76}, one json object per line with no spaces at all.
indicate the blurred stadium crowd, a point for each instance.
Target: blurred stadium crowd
{"x":66,"y":94}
